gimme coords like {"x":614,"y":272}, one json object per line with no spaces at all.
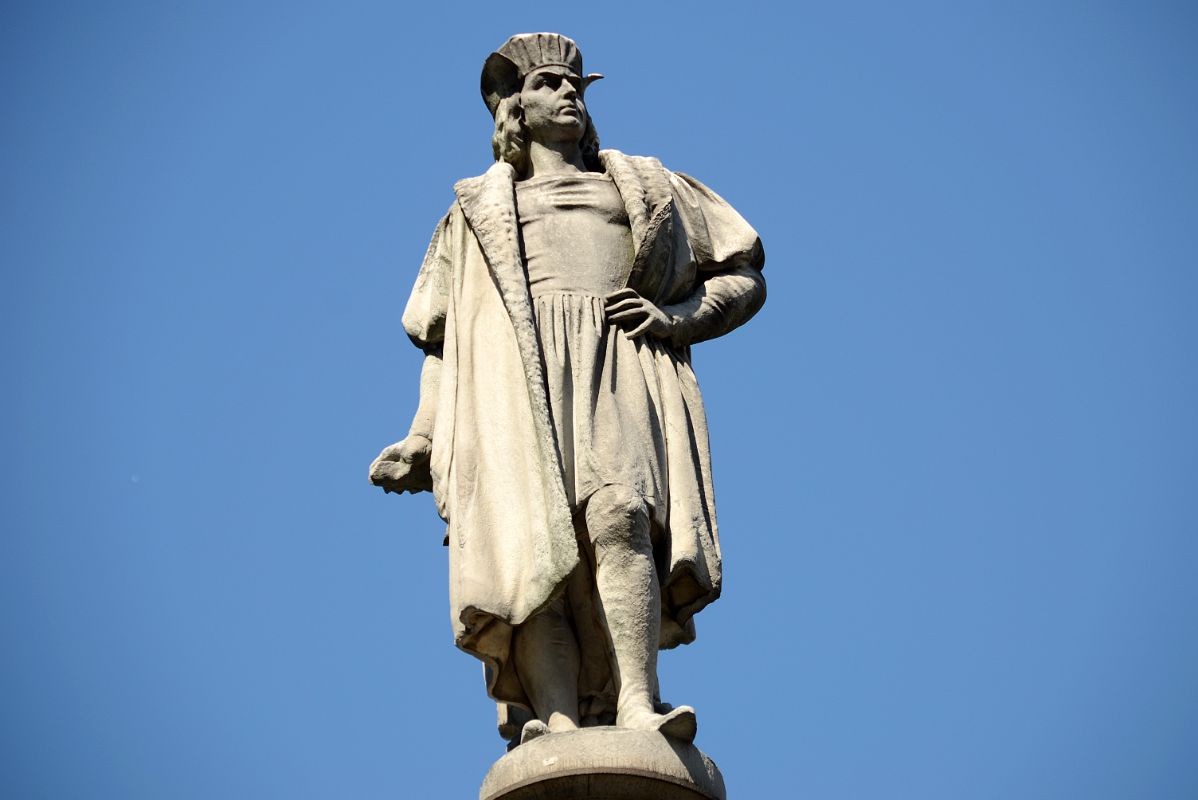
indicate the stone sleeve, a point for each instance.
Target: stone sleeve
{"x":424,"y":315}
{"x":722,"y":301}
{"x":728,"y":258}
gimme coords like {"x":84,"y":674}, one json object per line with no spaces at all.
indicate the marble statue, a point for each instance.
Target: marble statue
{"x":560,"y":426}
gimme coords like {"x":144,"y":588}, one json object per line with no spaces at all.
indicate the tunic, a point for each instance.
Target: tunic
{"x":577,"y":247}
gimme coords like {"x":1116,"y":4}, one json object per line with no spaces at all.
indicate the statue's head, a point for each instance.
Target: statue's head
{"x":534,"y":87}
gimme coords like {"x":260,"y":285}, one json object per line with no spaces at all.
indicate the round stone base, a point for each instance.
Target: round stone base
{"x":604,"y":763}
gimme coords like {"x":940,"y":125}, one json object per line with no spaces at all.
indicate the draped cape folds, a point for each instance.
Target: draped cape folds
{"x":497,"y":473}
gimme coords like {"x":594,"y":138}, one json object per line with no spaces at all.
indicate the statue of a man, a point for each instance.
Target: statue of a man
{"x":560,"y":427}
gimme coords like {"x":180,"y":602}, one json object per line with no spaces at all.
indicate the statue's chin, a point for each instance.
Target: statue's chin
{"x":562,"y":128}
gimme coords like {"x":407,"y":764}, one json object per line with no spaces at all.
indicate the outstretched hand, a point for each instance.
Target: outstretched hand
{"x":636,"y":315}
{"x":404,"y":466}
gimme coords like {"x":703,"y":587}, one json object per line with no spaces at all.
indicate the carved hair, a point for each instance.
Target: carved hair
{"x":510,"y":141}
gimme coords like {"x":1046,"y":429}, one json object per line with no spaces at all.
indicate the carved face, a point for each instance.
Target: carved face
{"x":553,"y":106}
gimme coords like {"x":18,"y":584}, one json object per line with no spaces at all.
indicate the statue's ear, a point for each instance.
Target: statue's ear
{"x":500,"y":79}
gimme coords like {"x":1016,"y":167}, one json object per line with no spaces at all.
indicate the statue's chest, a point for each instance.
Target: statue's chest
{"x":574,"y":234}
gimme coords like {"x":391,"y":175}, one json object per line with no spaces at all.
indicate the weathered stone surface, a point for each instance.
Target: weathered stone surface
{"x":561,"y":430}
{"x":604,"y":763}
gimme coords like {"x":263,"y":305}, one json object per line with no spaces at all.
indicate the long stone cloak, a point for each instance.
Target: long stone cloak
{"x":497,"y":475}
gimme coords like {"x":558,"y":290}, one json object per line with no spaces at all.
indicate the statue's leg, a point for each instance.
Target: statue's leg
{"x":546,"y":655}
{"x":630,"y":606}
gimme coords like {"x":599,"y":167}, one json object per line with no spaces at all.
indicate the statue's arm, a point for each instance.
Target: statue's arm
{"x":723,"y":301}
{"x":425,"y":419}
{"x":728,"y":259}
{"x":405,"y":465}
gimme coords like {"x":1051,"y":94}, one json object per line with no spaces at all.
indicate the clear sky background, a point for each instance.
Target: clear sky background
{"x":956,"y":454}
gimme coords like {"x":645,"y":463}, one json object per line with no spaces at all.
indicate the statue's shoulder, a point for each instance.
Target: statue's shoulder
{"x":487,"y":196}
{"x":641,"y":165}
{"x":641,"y":177}
{"x":498,"y":176}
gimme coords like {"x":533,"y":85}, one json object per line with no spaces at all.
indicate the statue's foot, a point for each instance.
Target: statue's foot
{"x":533,"y":729}
{"x":680,"y":724}
{"x":560,"y":723}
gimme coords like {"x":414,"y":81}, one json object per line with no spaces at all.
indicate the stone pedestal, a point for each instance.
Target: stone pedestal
{"x":604,"y":764}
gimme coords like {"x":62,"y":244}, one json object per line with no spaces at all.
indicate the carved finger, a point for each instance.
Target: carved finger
{"x":641,"y":329}
{"x":389,"y":471}
{"x":621,"y":294}
{"x":631,"y":302}
{"x":414,"y":453}
{"x":631,"y":315}
{"x":391,"y":452}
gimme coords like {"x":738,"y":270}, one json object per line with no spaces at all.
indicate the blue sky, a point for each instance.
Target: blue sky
{"x":956,"y":455}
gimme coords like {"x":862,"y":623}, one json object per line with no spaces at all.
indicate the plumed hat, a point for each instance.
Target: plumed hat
{"x":506,"y":68}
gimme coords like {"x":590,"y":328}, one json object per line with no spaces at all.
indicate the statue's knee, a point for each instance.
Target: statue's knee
{"x":616,"y":515}
{"x":615,"y":501}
